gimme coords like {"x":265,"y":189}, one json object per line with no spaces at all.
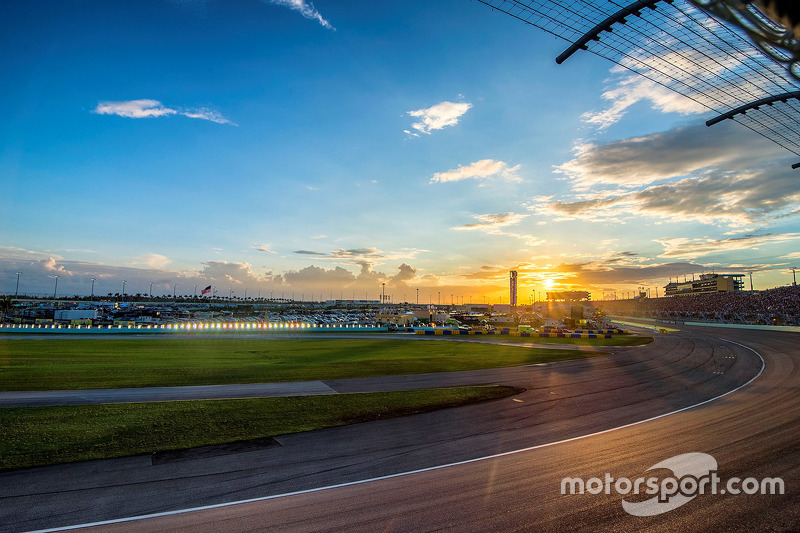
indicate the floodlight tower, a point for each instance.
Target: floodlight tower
{"x":512,"y":281}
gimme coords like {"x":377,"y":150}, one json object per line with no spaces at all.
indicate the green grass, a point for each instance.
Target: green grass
{"x":52,"y":364}
{"x":38,"y":436}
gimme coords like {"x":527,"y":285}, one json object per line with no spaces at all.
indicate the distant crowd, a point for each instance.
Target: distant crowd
{"x":774,"y":306}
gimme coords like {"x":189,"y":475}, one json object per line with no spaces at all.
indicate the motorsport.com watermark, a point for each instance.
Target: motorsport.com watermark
{"x":694,"y":474}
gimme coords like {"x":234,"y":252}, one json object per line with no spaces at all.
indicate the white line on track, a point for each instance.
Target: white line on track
{"x":410,"y":472}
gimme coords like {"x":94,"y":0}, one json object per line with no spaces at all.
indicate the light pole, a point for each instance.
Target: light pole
{"x":151,"y":290}
{"x":174,"y":287}
{"x":55,"y":290}
{"x":383,"y":293}
{"x":16,"y":292}
{"x":794,"y":276}
{"x":417,"y":296}
{"x":123,"y":289}
{"x":92,"y":296}
{"x":195,"y":292}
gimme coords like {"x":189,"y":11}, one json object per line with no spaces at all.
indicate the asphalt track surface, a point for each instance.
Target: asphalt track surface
{"x":507,"y":458}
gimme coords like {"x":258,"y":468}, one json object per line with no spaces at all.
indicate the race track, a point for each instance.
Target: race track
{"x":752,"y":432}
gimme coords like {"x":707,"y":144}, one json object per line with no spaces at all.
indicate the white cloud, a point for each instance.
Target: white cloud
{"x":306,"y":9}
{"x":207,"y":114}
{"x":153,"y":108}
{"x":632,"y":89}
{"x":51,"y":265}
{"x":134,"y":109}
{"x":156,"y":261}
{"x":685,"y":66}
{"x":492,"y":220}
{"x":438,"y":116}
{"x":691,"y":248}
{"x":483,"y":169}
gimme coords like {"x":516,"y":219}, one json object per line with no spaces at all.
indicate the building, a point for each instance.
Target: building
{"x":707,"y":284}
{"x":402,"y":320}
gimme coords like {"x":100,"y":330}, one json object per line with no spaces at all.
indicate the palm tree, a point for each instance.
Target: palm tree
{"x":6,"y":305}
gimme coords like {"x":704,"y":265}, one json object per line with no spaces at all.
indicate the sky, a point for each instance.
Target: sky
{"x":344,"y":148}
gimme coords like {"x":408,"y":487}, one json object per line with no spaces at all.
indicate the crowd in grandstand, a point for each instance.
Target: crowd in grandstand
{"x":774,"y":306}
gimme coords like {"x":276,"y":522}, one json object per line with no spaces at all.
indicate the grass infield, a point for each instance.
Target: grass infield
{"x":54,"y":364}
{"x":38,"y":436}
{"x":615,"y":340}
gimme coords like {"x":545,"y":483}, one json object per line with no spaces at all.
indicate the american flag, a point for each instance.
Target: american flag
{"x":205,"y":291}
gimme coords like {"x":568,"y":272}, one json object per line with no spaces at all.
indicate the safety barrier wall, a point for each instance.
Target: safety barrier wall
{"x":234,"y":327}
{"x":508,"y":333}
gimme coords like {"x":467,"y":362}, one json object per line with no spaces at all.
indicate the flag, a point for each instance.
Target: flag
{"x":205,"y":291}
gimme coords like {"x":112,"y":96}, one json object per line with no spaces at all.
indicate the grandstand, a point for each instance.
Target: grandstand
{"x":779,"y":306}
{"x":568,"y":296}
{"x":707,"y":284}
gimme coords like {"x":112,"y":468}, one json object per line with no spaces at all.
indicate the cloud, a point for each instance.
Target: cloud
{"x":718,"y":198}
{"x":665,"y":155}
{"x":153,"y":108}
{"x":406,"y":273}
{"x":686,"y":67}
{"x":631,"y":89}
{"x":14,"y":253}
{"x":156,"y":261}
{"x":206,"y":114}
{"x":134,"y":109}
{"x":360,"y":256}
{"x":338,"y":278}
{"x":75,"y":276}
{"x":223,"y":273}
{"x":687,"y":173}
{"x":264,"y":248}
{"x":483,"y":169}
{"x":315,"y":277}
{"x":51,"y":265}
{"x":617,"y":268}
{"x":492,"y":220}
{"x":691,"y":248}
{"x":438,"y":116}
{"x":599,"y":274}
{"x":306,"y":9}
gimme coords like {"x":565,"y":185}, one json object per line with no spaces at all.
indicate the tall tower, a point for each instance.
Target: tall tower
{"x":512,"y":281}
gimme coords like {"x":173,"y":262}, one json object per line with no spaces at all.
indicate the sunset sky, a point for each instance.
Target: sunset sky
{"x":323,"y":150}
